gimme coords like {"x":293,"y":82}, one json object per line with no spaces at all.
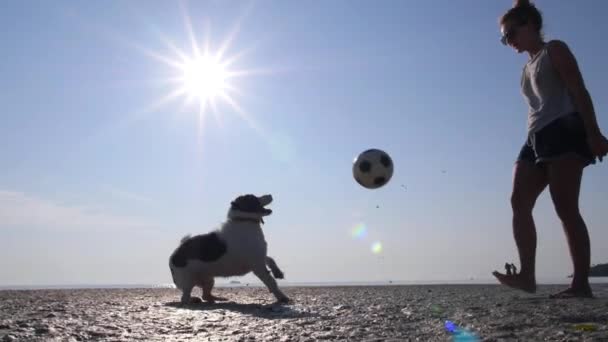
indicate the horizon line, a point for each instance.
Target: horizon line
{"x":237,"y":283}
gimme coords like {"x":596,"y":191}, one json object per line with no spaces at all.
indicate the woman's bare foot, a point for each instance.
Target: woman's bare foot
{"x":571,"y":292}
{"x":517,"y":281}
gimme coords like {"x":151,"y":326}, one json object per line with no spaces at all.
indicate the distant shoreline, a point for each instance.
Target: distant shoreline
{"x":598,"y":280}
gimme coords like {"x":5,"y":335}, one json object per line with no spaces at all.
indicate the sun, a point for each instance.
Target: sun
{"x":204,"y":78}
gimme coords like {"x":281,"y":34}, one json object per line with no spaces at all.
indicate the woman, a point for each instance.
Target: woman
{"x":563,"y":138}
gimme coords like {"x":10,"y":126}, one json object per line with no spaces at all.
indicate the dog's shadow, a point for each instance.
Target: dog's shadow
{"x":268,"y":311}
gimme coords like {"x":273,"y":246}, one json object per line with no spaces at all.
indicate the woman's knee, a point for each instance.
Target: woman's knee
{"x":528,"y":183}
{"x":522,"y":203}
{"x":564,"y":186}
{"x":567,"y":210}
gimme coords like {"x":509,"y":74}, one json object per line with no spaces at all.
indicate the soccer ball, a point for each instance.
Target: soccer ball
{"x":373,"y":168}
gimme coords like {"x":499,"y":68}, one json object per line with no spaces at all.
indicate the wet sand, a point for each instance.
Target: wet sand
{"x":353,"y":313}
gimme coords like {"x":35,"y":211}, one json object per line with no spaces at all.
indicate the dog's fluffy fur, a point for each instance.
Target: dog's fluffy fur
{"x":236,"y":249}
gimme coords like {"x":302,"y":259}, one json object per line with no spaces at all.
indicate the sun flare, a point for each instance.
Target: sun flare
{"x":204,"y":78}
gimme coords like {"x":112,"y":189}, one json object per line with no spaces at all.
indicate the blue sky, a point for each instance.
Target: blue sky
{"x":98,"y":181}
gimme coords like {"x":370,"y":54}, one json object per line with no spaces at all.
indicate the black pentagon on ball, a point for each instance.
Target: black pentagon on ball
{"x":365,"y":166}
{"x":385,"y":160}
{"x":379,"y":181}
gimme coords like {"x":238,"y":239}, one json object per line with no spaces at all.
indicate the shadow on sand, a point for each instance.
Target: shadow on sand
{"x":268,"y":311}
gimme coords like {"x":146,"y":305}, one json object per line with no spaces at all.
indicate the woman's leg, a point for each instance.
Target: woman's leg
{"x":529,"y":181}
{"x":565,"y":177}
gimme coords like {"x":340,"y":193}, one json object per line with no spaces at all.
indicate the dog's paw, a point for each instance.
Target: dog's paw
{"x":212,"y":299}
{"x":195,"y":300}
{"x":189,"y":300}
{"x":277,"y":274}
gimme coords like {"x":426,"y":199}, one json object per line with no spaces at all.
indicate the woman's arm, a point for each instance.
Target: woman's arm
{"x":565,"y":63}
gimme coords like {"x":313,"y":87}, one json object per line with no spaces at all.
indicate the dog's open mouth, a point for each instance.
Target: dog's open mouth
{"x":253,"y":204}
{"x":264,"y":201}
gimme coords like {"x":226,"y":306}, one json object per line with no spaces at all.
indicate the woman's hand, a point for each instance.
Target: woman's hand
{"x":598,"y":144}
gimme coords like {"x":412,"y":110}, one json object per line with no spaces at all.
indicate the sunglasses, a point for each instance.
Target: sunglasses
{"x":510,"y":34}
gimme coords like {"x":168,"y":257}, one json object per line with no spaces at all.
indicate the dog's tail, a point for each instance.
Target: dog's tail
{"x":185,"y":238}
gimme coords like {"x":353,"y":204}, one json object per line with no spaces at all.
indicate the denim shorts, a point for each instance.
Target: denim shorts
{"x":564,"y":136}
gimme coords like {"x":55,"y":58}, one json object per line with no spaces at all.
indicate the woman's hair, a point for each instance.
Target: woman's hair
{"x":523,"y":12}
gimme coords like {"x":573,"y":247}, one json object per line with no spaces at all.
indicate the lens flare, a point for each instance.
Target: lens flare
{"x":450,"y":326}
{"x":459,"y":334}
{"x":359,"y":231}
{"x":377,"y":247}
{"x":585,"y":327}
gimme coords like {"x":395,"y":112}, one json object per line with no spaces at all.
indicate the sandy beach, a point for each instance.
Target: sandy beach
{"x":353,"y":313}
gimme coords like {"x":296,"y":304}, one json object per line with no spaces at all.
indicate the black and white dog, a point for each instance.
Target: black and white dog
{"x":236,"y":249}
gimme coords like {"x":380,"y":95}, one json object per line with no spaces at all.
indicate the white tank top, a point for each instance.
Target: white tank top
{"x":544,"y":91}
